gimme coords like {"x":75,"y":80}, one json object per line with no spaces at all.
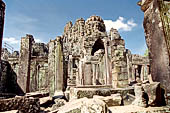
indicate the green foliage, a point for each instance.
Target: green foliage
{"x":146,"y":53}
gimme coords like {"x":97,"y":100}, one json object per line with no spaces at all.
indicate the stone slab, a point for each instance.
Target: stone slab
{"x":136,"y":109}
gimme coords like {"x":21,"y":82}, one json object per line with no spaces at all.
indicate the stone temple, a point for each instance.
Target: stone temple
{"x":84,"y":56}
{"x":87,"y":70}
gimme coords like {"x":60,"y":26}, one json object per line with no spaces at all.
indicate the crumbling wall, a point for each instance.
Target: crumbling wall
{"x":119,"y":60}
{"x":39,"y":67}
{"x":5,"y":54}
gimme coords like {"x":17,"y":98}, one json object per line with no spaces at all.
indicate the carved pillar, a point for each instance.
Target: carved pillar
{"x":51,"y":67}
{"x":142,"y":74}
{"x":133,"y":73}
{"x":88,"y":73}
{"x":59,"y":66}
{"x":69,"y":65}
{"x":25,"y":62}
{"x":81,"y":79}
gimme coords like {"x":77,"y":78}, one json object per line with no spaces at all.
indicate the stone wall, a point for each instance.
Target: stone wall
{"x":119,"y":60}
{"x":84,"y":46}
{"x":8,"y":80}
{"x":39,"y":70}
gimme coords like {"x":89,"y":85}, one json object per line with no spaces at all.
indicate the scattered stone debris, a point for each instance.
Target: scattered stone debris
{"x":87,"y":70}
{"x":141,"y":98}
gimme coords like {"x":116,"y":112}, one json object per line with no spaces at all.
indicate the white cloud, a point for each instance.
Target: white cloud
{"x":11,"y":40}
{"x":37,"y":40}
{"x":120,"y":24}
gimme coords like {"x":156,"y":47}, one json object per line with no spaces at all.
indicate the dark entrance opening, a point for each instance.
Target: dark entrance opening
{"x":97,"y":45}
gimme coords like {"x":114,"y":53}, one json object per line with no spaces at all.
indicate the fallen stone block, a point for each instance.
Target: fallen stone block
{"x":22,"y":104}
{"x":136,"y":109}
{"x":37,"y":94}
{"x":46,"y":102}
{"x":84,"y":105}
{"x":58,"y":104}
{"x":89,"y":92}
{"x":113,"y":100}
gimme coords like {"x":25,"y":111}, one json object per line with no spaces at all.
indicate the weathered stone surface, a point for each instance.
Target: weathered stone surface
{"x":141,"y":98}
{"x":46,"y":101}
{"x":85,"y":55}
{"x":5,"y":54}
{"x":155,"y":93}
{"x":23,"y":104}
{"x":37,"y":94}
{"x":128,"y":99}
{"x":12,"y":111}
{"x":136,"y":109}
{"x":156,"y":17}
{"x":88,"y":92}
{"x":39,"y":49}
{"x":84,"y":105}
{"x":94,"y":106}
{"x":168,"y":99}
{"x":73,"y":106}
{"x":58,"y":104}
{"x":2,"y":18}
{"x":8,"y":80}
{"x":15,"y":54}
{"x":23,"y":78}
{"x":113,"y":100}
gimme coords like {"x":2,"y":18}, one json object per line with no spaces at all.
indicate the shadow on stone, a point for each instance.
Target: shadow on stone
{"x":8,"y":80}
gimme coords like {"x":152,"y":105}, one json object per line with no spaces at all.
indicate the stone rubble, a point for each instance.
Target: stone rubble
{"x":89,"y":70}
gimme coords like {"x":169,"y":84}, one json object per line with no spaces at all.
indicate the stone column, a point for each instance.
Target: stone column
{"x":59,"y":66}
{"x":71,"y":67}
{"x":108,"y":79}
{"x":51,"y":67}
{"x":94,"y":74}
{"x":88,"y":73}
{"x":80,"y":82}
{"x":25,"y":62}
{"x":97,"y":73}
{"x":133,"y":73}
{"x":142,"y":73}
{"x":2,"y":16}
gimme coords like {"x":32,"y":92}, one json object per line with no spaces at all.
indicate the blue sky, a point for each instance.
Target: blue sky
{"x":45,"y":19}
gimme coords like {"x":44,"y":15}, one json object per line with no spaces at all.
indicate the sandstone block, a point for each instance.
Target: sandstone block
{"x":113,"y":100}
{"x":141,"y":98}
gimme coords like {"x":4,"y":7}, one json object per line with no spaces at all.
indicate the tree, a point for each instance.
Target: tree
{"x":146,"y":54}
